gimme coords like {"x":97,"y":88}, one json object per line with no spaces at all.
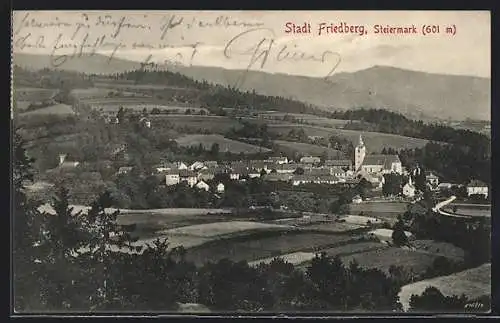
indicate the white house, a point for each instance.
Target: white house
{"x":234,"y":175}
{"x":181,"y":165}
{"x":202,"y":186}
{"x":357,"y":199}
{"x":220,"y":188}
{"x":477,"y":187}
{"x":172,"y":178}
{"x":409,"y":189}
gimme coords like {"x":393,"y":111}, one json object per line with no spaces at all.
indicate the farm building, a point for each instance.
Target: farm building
{"x":477,"y":187}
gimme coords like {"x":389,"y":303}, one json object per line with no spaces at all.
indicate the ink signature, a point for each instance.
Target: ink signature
{"x":266,"y":50}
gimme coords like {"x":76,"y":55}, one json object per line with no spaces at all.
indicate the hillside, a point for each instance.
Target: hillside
{"x":415,"y":94}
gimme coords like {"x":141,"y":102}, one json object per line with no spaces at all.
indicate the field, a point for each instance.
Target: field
{"x":439,"y":248}
{"x":294,"y":258}
{"x":216,"y":124}
{"x":21,"y":105}
{"x":374,"y":141}
{"x":383,"y":210}
{"x":360,"y":220}
{"x":125,"y":86}
{"x":308,"y":149}
{"x":59,"y":109}
{"x":32,"y":94}
{"x":89,"y":93}
{"x":136,"y":214}
{"x":354,"y":248}
{"x":473,"y":283}
{"x":224,"y":144}
{"x":384,"y":258}
{"x":307,"y":118}
{"x":334,"y":227}
{"x":263,"y":245}
{"x":219,"y":229}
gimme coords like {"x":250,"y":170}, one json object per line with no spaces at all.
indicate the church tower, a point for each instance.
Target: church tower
{"x":359,"y":154}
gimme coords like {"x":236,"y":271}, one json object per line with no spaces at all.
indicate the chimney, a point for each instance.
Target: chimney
{"x":62,"y":157}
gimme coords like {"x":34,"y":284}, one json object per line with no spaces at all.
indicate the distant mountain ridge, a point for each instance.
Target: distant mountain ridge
{"x":417,"y":95}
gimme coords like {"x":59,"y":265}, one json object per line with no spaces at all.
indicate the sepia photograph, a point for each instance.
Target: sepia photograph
{"x":250,"y":162}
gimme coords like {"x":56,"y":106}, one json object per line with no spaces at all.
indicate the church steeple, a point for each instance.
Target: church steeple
{"x":359,"y":154}
{"x":361,"y":143}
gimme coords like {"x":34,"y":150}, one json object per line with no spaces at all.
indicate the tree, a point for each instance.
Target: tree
{"x":299,"y":171}
{"x":27,"y":234}
{"x":399,"y":237}
{"x":392,"y":184}
{"x":214,"y":150}
{"x":121,"y":115}
{"x":432,"y":300}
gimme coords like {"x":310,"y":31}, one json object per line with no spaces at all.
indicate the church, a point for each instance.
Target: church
{"x":375,"y":164}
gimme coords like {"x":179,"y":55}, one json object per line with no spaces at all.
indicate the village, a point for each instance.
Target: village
{"x":306,"y":170}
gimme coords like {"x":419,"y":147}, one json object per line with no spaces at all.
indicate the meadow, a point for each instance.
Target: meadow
{"x":264,"y":245}
{"x":225,"y":144}
{"x":374,"y":141}
{"x":32,"y":94}
{"x":306,"y":118}
{"x":474,"y":283}
{"x":57,"y":109}
{"x":308,"y":149}
{"x":212,"y":124}
{"x":384,"y":258}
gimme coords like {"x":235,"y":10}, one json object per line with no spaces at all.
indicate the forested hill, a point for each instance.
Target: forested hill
{"x":379,"y":120}
{"x":417,"y":95}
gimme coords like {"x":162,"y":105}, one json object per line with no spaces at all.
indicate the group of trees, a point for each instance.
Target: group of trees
{"x":454,"y":162}
{"x":474,"y":237}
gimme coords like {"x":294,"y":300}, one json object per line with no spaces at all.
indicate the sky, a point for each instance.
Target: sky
{"x":257,"y":39}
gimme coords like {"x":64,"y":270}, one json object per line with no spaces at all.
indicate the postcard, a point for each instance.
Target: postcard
{"x":251,"y":162}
